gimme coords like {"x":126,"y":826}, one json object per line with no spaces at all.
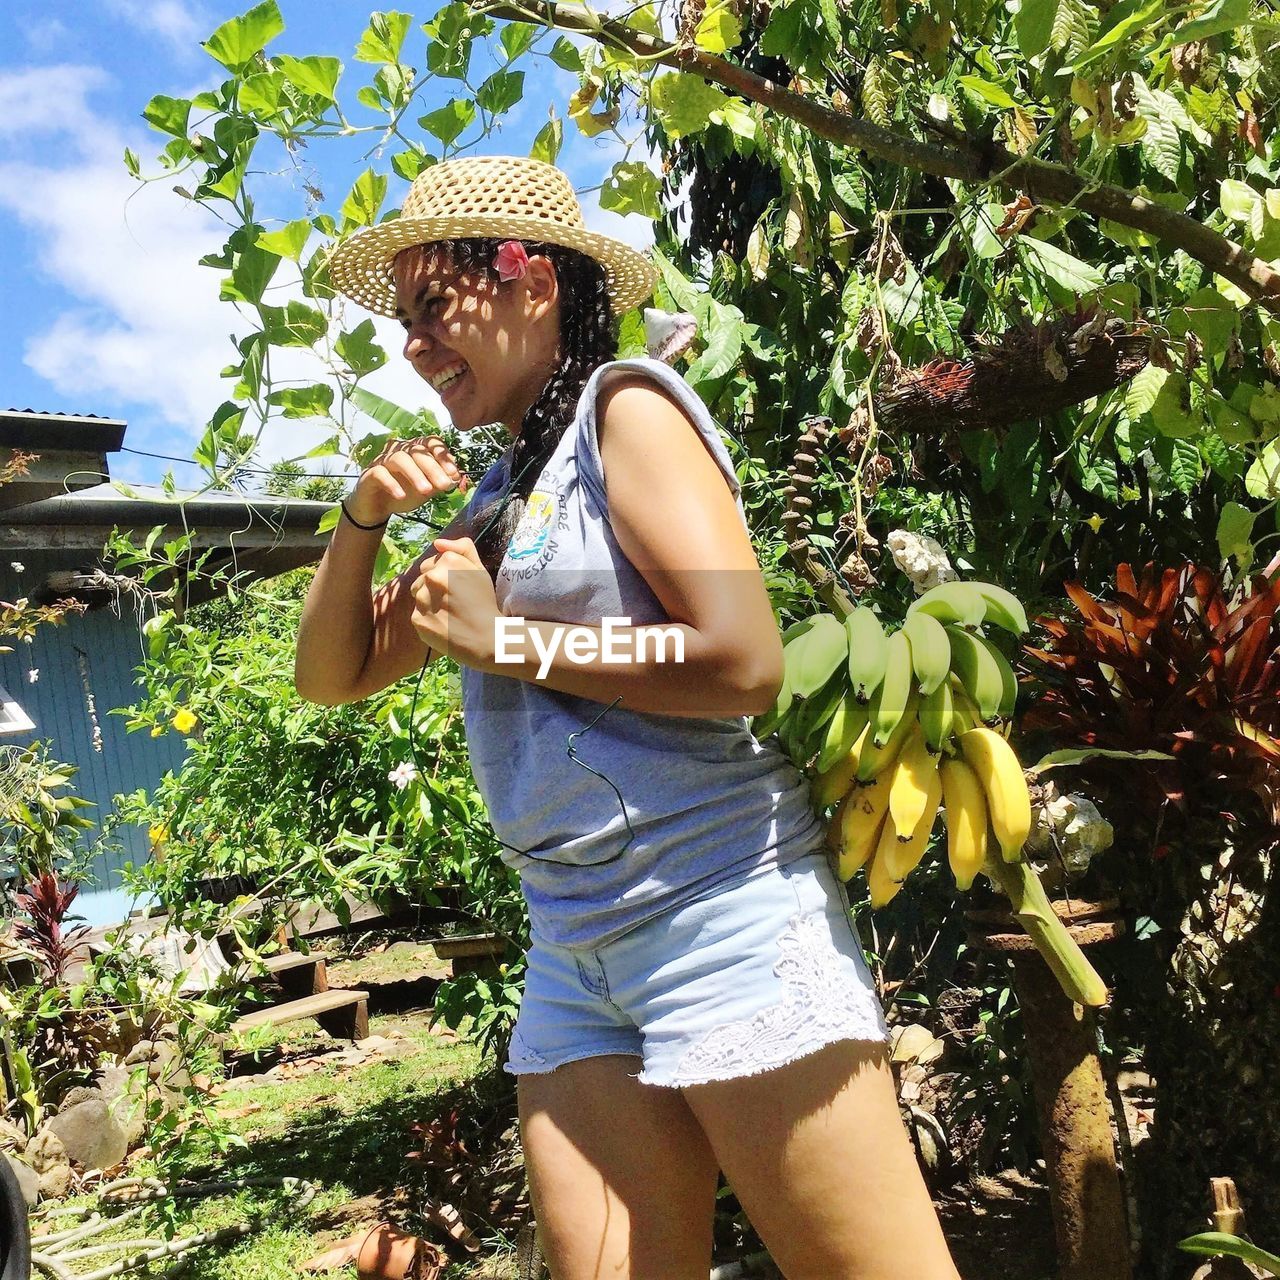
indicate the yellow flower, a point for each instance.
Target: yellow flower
{"x":159,"y":832}
{"x":157,"y":731}
{"x":184,"y":721}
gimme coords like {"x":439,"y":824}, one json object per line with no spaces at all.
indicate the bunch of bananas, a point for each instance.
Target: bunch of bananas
{"x":897,"y":727}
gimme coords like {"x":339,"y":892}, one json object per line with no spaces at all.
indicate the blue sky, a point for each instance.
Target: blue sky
{"x":106,"y":309}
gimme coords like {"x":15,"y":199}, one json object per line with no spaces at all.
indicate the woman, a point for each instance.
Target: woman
{"x":696,"y":999}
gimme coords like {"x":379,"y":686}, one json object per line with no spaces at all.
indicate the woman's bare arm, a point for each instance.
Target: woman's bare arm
{"x":352,"y":643}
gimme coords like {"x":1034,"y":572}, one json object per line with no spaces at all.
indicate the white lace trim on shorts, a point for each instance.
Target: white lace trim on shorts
{"x":822,"y":1004}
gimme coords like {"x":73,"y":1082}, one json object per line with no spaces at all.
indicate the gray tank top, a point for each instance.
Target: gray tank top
{"x":708,"y":803}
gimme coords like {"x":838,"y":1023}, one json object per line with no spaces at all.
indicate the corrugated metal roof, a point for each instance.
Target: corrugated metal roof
{"x":52,"y":413}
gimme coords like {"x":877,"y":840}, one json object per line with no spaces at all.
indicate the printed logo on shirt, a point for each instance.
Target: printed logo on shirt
{"x":534,"y":541}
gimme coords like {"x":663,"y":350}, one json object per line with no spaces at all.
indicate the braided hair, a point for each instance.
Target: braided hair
{"x":588,"y":339}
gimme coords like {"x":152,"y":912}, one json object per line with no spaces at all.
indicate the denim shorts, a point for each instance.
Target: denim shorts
{"x":747,"y":978}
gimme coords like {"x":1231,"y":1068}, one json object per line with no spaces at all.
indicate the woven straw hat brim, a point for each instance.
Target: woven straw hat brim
{"x":359,"y":267}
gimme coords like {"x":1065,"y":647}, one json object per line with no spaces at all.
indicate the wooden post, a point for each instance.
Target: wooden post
{"x":1074,"y":1116}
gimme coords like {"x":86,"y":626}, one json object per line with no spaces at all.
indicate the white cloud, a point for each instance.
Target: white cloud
{"x":46,"y":34}
{"x":179,"y":25}
{"x":35,"y":101}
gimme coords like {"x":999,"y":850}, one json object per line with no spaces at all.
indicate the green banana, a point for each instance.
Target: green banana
{"x":937,"y":713}
{"x":813,"y":712}
{"x":930,"y":650}
{"x":814,"y":655}
{"x":1003,"y":608}
{"x":868,"y":649}
{"x":960,"y":603}
{"x":1009,"y":694}
{"x":843,"y":730}
{"x":894,"y":690}
{"x":975,"y":662}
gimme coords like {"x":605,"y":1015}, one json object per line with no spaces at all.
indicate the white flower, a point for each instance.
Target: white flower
{"x":29,"y":639}
{"x":16,"y":565}
{"x":921,"y":558}
{"x":33,"y":675}
{"x":403,"y":774}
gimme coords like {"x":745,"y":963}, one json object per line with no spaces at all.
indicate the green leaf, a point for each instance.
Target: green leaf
{"x":447,"y":122}
{"x":1184,"y":464}
{"x":1078,"y":755}
{"x":289,"y":241}
{"x":400,"y":422}
{"x":260,"y":94}
{"x":546,"y":146}
{"x":132,"y":163}
{"x":565,"y":54}
{"x":720,"y":30}
{"x":318,"y":76}
{"x":408,"y":164}
{"x":1162,"y":143}
{"x":314,"y":401}
{"x":516,"y":37}
{"x":1235,"y":534}
{"x":250,"y":274}
{"x":1213,"y":318}
{"x":988,"y":92}
{"x":979,"y":223}
{"x":1034,"y":25}
{"x":1214,"y":1243}
{"x":632,"y":187}
{"x":169,"y":115}
{"x":1238,"y":200}
{"x":1064,"y":268}
{"x":359,"y":350}
{"x":237,"y":41}
{"x":1224,"y":15}
{"x":1123,"y":20}
{"x":365,"y":198}
{"x":682,"y":291}
{"x":1173,"y":413}
{"x":384,"y":37}
{"x":1072,"y":30}
{"x":1143,"y":389}
{"x":1262,"y":480}
{"x":683,"y":103}
{"x":452,"y":31}
{"x":295,"y":325}
{"x":785,"y":30}
{"x":501,"y":91}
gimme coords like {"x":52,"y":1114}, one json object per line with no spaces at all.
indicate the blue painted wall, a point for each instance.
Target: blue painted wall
{"x":112,"y":648}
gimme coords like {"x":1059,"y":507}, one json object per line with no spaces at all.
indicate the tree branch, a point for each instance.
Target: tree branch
{"x":970,"y":163}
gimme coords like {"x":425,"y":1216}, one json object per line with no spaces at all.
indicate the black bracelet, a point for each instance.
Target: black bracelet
{"x":357,"y":523}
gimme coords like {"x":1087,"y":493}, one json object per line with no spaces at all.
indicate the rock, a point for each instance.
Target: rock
{"x":913,"y":1043}
{"x":90,"y":1133}
{"x":28,"y":1180}
{"x":11,"y":1137}
{"x":81,"y":1093}
{"x":48,"y":1157}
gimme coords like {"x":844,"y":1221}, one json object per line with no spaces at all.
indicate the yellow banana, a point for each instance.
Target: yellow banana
{"x":883,"y":887}
{"x":895,"y":690}
{"x":830,"y":785}
{"x":937,"y":714}
{"x":1008,"y":801}
{"x":874,"y":760}
{"x":930,"y":650}
{"x":868,"y":649}
{"x":909,"y":782}
{"x":899,"y":857}
{"x":965,"y":809}
{"x":861,"y":821}
{"x":833,"y":823}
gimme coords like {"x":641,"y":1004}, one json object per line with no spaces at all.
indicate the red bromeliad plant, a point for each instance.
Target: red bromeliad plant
{"x":45,"y":905}
{"x":1174,"y":664}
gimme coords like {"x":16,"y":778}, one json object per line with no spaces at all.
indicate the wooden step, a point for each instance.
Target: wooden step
{"x":341,"y":1013}
{"x":299,"y":975}
{"x":291,"y":960}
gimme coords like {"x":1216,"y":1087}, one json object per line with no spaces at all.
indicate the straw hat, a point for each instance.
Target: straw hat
{"x":483,"y":196}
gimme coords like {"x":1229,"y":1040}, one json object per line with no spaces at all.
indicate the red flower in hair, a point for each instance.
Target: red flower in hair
{"x":511,"y":260}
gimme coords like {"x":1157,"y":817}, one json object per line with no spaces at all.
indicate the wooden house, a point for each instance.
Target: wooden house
{"x":54,"y":523}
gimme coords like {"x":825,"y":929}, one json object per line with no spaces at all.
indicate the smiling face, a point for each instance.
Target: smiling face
{"x":503,"y":335}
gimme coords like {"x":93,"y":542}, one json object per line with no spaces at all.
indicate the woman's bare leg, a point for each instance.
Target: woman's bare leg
{"x":818,"y":1157}
{"x":621,"y":1177}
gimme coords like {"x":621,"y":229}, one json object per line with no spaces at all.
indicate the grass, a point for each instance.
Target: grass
{"x":344,"y":1127}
